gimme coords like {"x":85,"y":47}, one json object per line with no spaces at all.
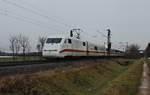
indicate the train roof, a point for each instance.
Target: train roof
{"x":63,"y":36}
{"x":68,"y":37}
{"x":56,"y":36}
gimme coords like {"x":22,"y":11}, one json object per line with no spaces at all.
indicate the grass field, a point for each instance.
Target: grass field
{"x":81,"y":79}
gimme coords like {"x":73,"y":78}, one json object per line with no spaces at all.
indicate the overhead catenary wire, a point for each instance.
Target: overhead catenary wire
{"x":25,"y":19}
{"x":31,"y":20}
{"x":42,"y":11}
{"x":101,"y":34}
{"x":35,"y":12}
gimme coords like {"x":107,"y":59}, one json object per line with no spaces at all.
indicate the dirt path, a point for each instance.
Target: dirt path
{"x":144,"y":88}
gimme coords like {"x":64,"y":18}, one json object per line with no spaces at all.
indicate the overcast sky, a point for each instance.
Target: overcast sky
{"x":129,"y":20}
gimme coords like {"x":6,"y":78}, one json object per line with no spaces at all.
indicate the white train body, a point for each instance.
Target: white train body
{"x":61,"y":46}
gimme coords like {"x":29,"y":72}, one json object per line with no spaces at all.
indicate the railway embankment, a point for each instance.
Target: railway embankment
{"x":128,"y":82}
{"x":78,"y":79}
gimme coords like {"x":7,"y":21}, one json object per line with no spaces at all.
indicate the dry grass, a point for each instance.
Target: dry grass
{"x":80,"y":79}
{"x":127,"y":83}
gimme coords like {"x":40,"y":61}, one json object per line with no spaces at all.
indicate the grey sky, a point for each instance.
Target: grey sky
{"x":129,"y":20}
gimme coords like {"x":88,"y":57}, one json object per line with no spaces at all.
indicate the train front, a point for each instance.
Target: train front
{"x":52,"y":47}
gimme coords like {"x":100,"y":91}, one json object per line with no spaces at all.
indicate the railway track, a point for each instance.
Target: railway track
{"x":35,"y":62}
{"x":27,"y":67}
{"x":53,"y":60}
{"x":21,"y":63}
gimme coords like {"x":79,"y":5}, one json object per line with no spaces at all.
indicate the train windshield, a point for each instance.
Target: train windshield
{"x":53,"y":40}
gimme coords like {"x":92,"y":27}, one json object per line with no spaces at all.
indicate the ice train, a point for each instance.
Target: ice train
{"x":62,"y":46}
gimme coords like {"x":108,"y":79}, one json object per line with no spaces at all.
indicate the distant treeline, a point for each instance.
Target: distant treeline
{"x":147,"y":51}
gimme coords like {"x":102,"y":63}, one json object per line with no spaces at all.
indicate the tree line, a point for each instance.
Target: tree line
{"x":147,"y":51}
{"x":133,"y":51}
{"x":21,"y":44}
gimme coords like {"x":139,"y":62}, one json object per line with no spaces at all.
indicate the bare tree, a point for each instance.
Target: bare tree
{"x":24,"y":43}
{"x":38,"y":47}
{"x":12,"y":44}
{"x":40,"y":44}
{"x":133,"y":51}
{"x":17,"y":45}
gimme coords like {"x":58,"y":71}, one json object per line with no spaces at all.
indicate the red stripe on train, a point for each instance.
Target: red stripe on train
{"x":73,"y":50}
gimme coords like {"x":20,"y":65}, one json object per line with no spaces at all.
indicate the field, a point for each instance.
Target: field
{"x":113,"y":77}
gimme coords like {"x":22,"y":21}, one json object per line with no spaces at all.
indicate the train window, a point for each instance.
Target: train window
{"x":53,"y":40}
{"x":95,"y":48}
{"x":69,"y":41}
{"x":83,"y":43}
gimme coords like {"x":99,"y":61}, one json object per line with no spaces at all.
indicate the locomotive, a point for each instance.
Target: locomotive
{"x":62,"y":46}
